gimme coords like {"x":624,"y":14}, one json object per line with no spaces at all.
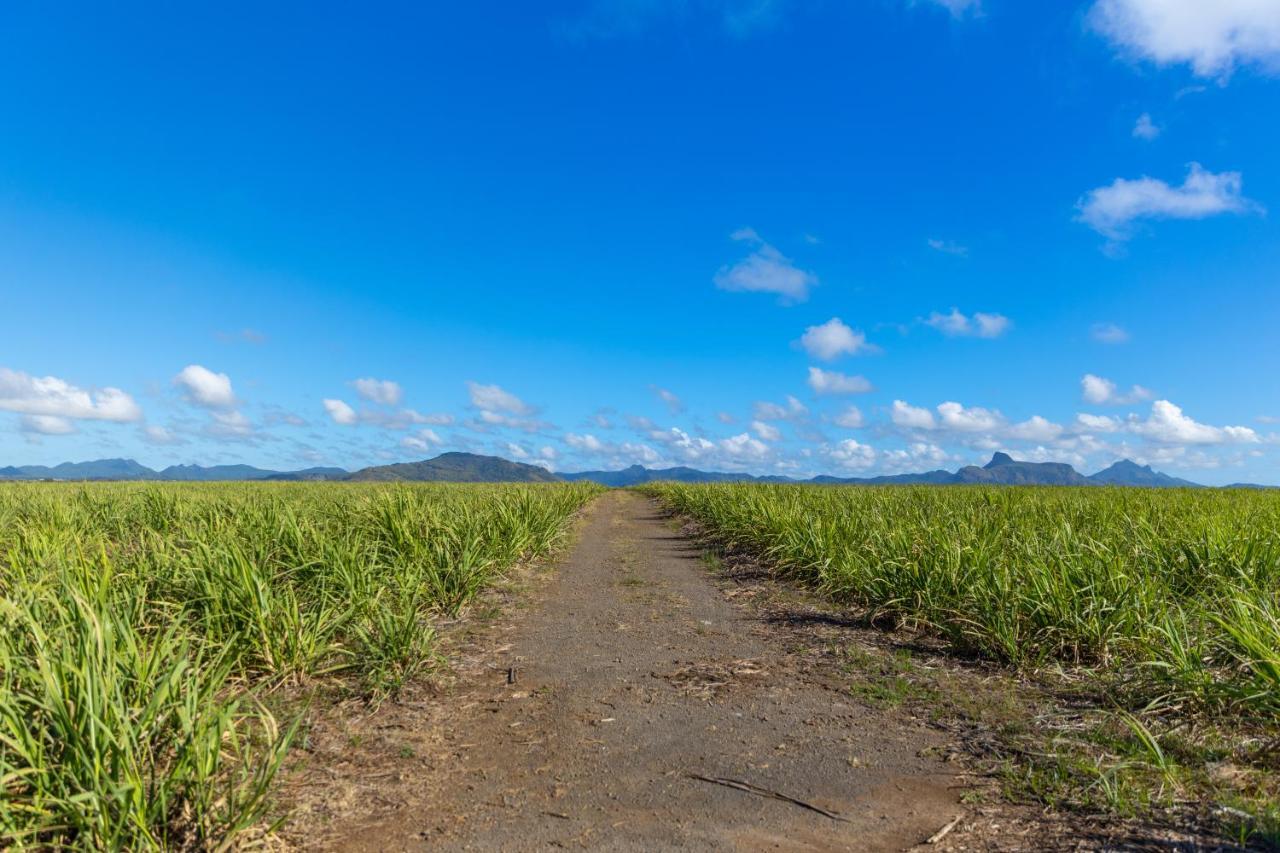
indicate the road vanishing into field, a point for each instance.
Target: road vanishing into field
{"x":633,"y":704}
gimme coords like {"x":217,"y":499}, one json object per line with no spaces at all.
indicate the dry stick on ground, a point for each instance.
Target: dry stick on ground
{"x":942,"y":833}
{"x":765,"y":792}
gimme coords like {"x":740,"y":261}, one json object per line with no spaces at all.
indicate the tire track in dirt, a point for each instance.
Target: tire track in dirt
{"x":631,"y":675}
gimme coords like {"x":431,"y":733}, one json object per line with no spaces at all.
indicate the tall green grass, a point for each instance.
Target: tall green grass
{"x":1182,"y":587}
{"x":140,"y":626}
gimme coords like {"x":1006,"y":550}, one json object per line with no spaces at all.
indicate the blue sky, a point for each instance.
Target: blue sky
{"x":786,"y":236}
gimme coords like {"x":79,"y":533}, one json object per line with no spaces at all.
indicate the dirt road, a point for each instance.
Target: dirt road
{"x":622,"y":690}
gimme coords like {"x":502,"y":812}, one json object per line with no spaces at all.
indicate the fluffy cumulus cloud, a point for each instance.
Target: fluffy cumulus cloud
{"x":1112,"y":210}
{"x":1087,"y":423}
{"x":204,"y":387}
{"x":916,"y":456}
{"x":765,"y":270}
{"x":852,"y":454}
{"x":1036,"y":428}
{"x":980,"y":325}
{"x":49,"y":396}
{"x":833,"y":339}
{"x":1103,"y":392}
{"x":340,"y":412}
{"x":954,"y":416}
{"x":911,"y":417}
{"x":832,"y":382}
{"x":491,"y":398}
{"x":1167,"y":424}
{"x":1212,"y":36}
{"x":743,"y":448}
{"x":384,"y":392}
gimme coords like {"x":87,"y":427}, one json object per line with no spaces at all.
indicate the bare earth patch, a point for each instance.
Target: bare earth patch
{"x":636,"y":701}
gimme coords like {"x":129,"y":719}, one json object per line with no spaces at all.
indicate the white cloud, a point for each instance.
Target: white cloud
{"x":1087,"y":423}
{"x":424,"y":439}
{"x":794,"y":410}
{"x":833,"y":339}
{"x":914,"y":457}
{"x":516,"y":451}
{"x":411,"y":442}
{"x":230,"y":424}
{"x":948,"y":247}
{"x":766,"y":431}
{"x":641,"y":454}
{"x":956,"y":417}
{"x":725,"y":418}
{"x":850,"y":418}
{"x":1112,"y":210}
{"x":589,"y":443}
{"x":340,"y":412}
{"x":1212,"y":36}
{"x":1167,"y":424}
{"x":851,"y":454}
{"x":744,"y":447}
{"x":1103,"y":392}
{"x":47,"y":425}
{"x":1109,"y":333}
{"x":53,"y":397}
{"x":156,"y":434}
{"x":765,"y":270}
{"x":980,"y":325}
{"x":673,"y":402}
{"x":831,"y":382}
{"x":951,"y":416}
{"x":432,"y":419}
{"x":1036,"y":428}
{"x":692,"y":447}
{"x":381,"y":391}
{"x":487,"y":420}
{"x":491,"y":398}
{"x":205,"y":388}
{"x":911,"y":417}
{"x":1145,"y":128}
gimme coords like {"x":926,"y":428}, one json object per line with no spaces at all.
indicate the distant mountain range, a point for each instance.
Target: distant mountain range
{"x":473,"y":468}
{"x":1001,"y":470}
{"x":127,"y":469}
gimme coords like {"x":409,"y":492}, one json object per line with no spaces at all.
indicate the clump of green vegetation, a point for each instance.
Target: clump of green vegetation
{"x":1166,"y":601}
{"x":142,"y":625}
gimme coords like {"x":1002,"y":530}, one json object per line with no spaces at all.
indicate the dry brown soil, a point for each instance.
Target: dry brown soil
{"x":598,"y":715}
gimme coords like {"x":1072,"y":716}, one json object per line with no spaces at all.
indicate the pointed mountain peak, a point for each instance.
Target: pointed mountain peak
{"x":998,"y":459}
{"x":1128,"y":465}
